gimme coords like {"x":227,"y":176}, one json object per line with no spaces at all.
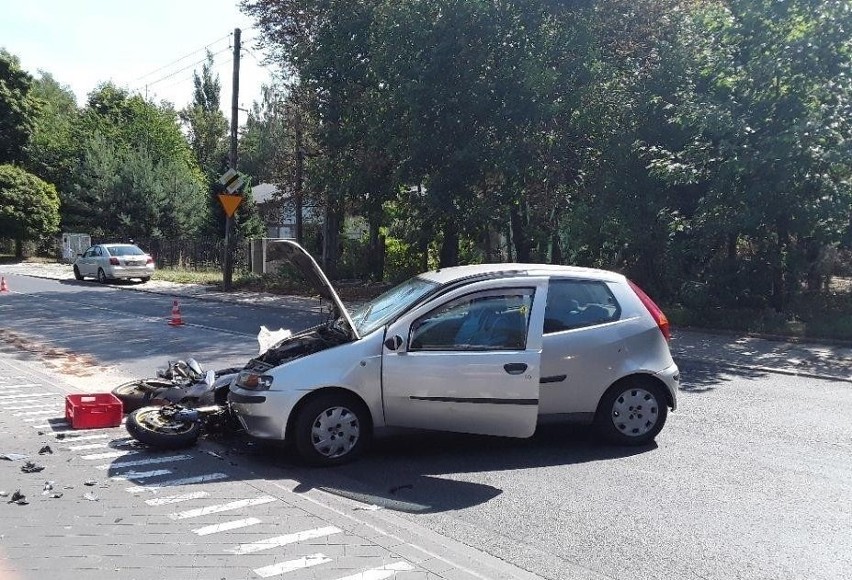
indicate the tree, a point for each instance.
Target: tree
{"x":29,"y":206}
{"x":53,"y":151}
{"x":18,"y":109}
{"x":206,"y":126}
{"x":766,"y":106}
{"x":137,"y":175}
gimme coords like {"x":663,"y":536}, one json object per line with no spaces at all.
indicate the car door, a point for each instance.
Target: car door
{"x":469,"y":360}
{"x":86,"y":261}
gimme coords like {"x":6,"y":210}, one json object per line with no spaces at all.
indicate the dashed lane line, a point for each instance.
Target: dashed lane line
{"x":140,"y":462}
{"x":170,"y":499}
{"x":226,"y":526}
{"x":291,"y":565}
{"x":269,"y":543}
{"x":381,"y":572}
{"x":214,"y":509}
{"x":177,"y":482}
{"x":139,"y":475}
{"x":24,"y":396}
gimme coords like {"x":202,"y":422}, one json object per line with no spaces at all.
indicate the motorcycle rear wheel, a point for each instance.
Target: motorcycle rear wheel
{"x":137,"y":394}
{"x":152,"y":426}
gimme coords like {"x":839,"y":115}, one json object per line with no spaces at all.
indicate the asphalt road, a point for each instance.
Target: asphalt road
{"x":751,"y":478}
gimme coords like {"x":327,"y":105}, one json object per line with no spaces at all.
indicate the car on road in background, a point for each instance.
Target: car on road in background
{"x":106,"y":262}
{"x":490,"y":349}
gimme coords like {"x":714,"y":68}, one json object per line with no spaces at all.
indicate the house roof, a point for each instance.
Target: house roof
{"x":263,"y":192}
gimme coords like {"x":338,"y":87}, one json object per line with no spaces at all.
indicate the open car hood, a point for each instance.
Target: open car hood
{"x":313,"y":274}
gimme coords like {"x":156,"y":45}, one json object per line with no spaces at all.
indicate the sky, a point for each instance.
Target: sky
{"x":146,"y":46}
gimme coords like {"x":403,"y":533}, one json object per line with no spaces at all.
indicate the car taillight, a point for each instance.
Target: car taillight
{"x":114,"y":261}
{"x":656,"y":313}
{"x":150,"y":260}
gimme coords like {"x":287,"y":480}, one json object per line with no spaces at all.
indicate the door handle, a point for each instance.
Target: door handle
{"x":515,"y":368}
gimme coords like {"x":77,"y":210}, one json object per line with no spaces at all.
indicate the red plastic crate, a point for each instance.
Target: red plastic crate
{"x":93,"y":411}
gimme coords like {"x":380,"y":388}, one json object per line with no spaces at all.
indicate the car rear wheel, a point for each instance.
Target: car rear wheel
{"x":102,"y":276}
{"x":77,"y":274}
{"x":145,"y":279}
{"x":331,"y":429}
{"x":632,"y":412}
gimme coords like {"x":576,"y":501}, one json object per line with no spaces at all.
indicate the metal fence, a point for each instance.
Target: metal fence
{"x":192,"y":253}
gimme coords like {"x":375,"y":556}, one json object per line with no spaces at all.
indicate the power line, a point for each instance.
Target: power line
{"x":170,"y":75}
{"x":184,"y":57}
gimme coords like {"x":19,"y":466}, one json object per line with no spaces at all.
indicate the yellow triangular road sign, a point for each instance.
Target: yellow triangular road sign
{"x":230,"y":203}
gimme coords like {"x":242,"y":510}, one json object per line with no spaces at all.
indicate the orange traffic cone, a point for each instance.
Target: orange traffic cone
{"x":3,"y":287}
{"x":176,"y":319}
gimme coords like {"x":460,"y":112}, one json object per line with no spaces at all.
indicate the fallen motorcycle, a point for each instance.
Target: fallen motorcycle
{"x":176,"y":424}
{"x":181,"y":382}
{"x":171,"y":411}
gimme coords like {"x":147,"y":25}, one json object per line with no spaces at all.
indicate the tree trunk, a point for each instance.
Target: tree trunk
{"x":450,"y":247}
{"x":519,"y":234}
{"x":331,"y":237}
{"x":374,"y":249}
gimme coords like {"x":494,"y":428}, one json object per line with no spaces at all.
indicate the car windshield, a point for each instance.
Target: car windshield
{"x":370,"y":316}
{"x":124,"y":251}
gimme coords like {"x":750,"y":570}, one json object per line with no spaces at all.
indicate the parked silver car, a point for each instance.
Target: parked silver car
{"x":488,"y":349}
{"x":113,"y":261}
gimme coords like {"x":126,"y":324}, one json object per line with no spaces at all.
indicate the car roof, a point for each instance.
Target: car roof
{"x":120,"y":245}
{"x":448,"y":275}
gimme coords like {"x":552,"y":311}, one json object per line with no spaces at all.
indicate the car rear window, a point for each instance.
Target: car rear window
{"x":125,"y":251}
{"x":578,"y":303}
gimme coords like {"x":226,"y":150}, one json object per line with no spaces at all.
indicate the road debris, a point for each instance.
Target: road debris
{"x":18,"y":498}
{"x":45,"y":450}
{"x":91,"y":496}
{"x":30,"y":467}
{"x":13,"y":456}
{"x":90,"y":482}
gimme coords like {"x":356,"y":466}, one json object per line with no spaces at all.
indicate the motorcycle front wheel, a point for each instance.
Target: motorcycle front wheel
{"x":156,"y":427}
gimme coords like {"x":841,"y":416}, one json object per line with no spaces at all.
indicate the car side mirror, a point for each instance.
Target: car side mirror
{"x":394,"y":342}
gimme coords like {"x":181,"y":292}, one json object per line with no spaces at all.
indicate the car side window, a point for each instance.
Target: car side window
{"x":578,"y":303}
{"x":89,"y":253}
{"x":98,"y":251}
{"x":493,"y":320}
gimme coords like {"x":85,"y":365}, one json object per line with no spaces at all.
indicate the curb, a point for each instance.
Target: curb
{"x":773,"y":370}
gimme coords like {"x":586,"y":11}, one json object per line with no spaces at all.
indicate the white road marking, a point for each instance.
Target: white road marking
{"x":25,"y":395}
{"x":21,"y":386}
{"x":226,"y":526}
{"x":138,"y":462}
{"x":177,"y":498}
{"x":109,"y":455}
{"x":381,"y":572}
{"x":89,"y":446}
{"x":174,"y":482}
{"x":214,"y":509}
{"x":85,"y":438}
{"x":134,"y":475}
{"x":42,"y":412}
{"x":54,"y":406}
{"x":290,"y":565}
{"x":55,"y":420}
{"x":269,"y":543}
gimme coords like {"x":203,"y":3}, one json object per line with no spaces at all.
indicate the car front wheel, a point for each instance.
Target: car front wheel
{"x":331,"y":429}
{"x":632,"y":412}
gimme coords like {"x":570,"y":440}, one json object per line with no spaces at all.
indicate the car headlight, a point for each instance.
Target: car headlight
{"x":254,"y":381}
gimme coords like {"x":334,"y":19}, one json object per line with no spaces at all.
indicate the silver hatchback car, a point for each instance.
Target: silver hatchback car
{"x":490,"y":349}
{"x":113,"y":261}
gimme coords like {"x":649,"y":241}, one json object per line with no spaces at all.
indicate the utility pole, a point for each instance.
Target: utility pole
{"x":297,"y":191}
{"x":228,"y":265}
